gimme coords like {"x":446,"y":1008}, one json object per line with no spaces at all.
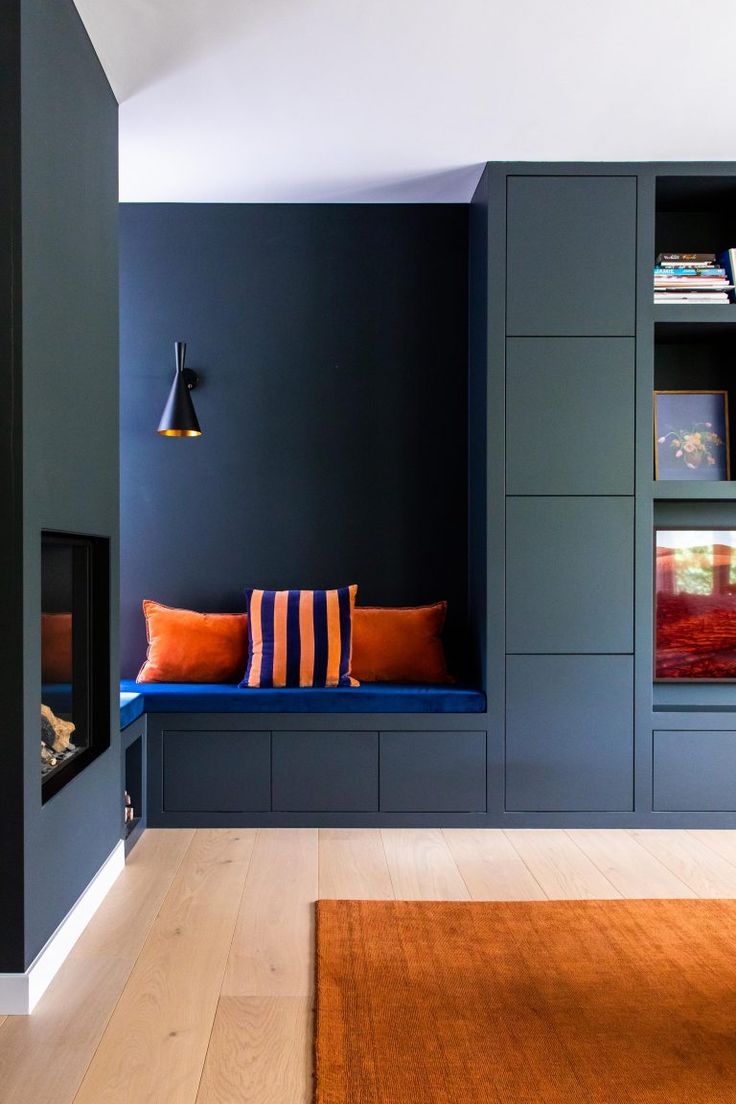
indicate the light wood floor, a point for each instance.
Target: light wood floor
{"x":193,"y":982}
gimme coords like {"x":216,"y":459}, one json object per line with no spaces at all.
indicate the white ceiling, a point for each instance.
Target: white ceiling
{"x":402,"y":100}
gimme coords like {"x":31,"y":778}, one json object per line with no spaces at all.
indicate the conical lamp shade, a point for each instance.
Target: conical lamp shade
{"x":179,"y":418}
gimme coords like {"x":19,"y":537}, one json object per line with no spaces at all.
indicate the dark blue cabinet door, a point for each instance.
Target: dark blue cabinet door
{"x":569,"y":574}
{"x":694,"y":771}
{"x":569,"y":734}
{"x":325,"y":771}
{"x":571,"y":255}
{"x":433,"y":772}
{"x":206,"y":771}
{"x":570,"y":416}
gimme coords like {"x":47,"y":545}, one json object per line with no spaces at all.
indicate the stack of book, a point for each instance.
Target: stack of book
{"x":691,"y":278}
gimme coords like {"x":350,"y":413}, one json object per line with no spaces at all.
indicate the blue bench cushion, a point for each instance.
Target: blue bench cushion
{"x":131,"y":707}
{"x":57,"y":696}
{"x":170,"y":697}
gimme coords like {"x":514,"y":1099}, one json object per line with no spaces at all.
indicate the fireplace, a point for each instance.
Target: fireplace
{"x":75,"y":655}
{"x":695,"y":608}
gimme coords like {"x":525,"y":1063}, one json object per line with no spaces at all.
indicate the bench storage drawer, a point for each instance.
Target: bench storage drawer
{"x":325,"y":772}
{"x":211,"y":771}
{"x":433,"y":772}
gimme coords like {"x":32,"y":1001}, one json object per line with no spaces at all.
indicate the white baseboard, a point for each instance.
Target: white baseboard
{"x":19,"y":993}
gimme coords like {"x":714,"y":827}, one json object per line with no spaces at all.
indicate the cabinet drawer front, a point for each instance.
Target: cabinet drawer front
{"x":224,"y":772}
{"x":694,"y":771}
{"x":569,"y":734}
{"x":569,"y":575}
{"x":555,"y":225}
{"x":433,"y":772}
{"x":586,"y":386}
{"x":325,"y":771}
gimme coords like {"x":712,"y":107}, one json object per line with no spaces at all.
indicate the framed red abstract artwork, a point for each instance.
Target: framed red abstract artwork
{"x":695,"y":604}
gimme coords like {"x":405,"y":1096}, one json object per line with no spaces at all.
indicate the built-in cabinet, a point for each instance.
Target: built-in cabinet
{"x":569,"y":574}
{"x":214,"y":769}
{"x":571,"y":254}
{"x":694,"y":771}
{"x":569,"y":510}
{"x":569,"y":733}
{"x":331,"y":771}
{"x":433,"y":772}
{"x":557,"y":443}
{"x":567,"y":348}
{"x":206,"y":770}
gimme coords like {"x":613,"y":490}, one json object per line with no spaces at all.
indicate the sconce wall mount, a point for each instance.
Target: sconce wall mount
{"x":179,"y":418}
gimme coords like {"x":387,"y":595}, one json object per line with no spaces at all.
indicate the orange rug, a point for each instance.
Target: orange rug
{"x":592,"y":1002}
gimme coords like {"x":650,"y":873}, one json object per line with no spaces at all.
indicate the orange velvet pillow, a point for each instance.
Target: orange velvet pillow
{"x":56,"y":647}
{"x":399,"y":645}
{"x":184,"y":646}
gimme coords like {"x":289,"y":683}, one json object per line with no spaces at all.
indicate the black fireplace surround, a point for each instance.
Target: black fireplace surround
{"x":75,"y":655}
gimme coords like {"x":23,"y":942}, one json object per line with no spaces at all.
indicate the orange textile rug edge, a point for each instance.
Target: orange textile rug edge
{"x":544,"y":1002}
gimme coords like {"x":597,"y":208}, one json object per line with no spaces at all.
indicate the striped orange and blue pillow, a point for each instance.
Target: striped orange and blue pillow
{"x":300,"y":637}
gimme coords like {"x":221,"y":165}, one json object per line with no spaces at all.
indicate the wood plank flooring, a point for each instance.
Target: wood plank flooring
{"x":193,"y":982}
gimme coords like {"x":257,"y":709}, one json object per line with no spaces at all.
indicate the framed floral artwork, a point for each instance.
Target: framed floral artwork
{"x":691,"y":435}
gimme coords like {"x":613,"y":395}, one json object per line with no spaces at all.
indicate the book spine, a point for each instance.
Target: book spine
{"x":684,"y":298}
{"x":690,"y":258}
{"x":698,"y":266}
{"x":660,"y":270}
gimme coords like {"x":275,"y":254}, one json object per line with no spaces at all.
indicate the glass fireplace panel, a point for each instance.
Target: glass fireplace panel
{"x":75,"y":655}
{"x":695,"y":604}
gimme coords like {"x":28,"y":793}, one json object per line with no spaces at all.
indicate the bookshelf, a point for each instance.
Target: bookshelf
{"x":569,"y":537}
{"x":693,"y":697}
{"x":685,"y":491}
{"x":693,"y":348}
{"x":690,"y":320}
{"x":695,"y":213}
{"x":694,"y":344}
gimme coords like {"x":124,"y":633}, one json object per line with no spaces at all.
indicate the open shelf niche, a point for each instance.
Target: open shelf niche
{"x":692,"y":695}
{"x":695,"y":214}
{"x":693,"y":360}
{"x":695,"y":344}
{"x":134,"y":780}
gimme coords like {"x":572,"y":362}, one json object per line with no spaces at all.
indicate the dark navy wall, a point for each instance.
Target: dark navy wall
{"x":332,"y":345}
{"x":11,"y":500}
{"x":61,"y":451}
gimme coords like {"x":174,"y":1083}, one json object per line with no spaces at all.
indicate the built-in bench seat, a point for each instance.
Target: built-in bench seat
{"x":219,"y":756}
{"x":165,"y":697}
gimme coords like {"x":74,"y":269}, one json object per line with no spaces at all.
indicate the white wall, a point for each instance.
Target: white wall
{"x":328,"y":100}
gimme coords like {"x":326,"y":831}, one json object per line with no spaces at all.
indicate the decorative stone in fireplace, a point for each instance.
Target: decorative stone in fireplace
{"x":75,"y":655}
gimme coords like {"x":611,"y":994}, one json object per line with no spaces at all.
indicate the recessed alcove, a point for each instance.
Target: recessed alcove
{"x":697,"y":358}
{"x":134,"y":781}
{"x":333,"y":340}
{"x":694,"y":696}
{"x":694,"y":359}
{"x":695,"y":214}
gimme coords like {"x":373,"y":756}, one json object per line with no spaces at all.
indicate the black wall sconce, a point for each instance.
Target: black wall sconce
{"x":179,"y":418}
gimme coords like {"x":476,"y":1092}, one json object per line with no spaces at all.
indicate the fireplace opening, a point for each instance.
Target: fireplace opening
{"x":75,"y":655}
